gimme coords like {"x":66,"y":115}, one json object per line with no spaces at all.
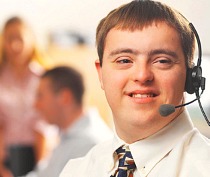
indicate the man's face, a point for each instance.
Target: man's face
{"x":141,"y":70}
{"x":48,"y":102}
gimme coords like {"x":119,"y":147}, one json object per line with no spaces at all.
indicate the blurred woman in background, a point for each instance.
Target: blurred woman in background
{"x":20,"y":68}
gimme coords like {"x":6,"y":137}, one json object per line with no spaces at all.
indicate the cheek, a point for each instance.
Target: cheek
{"x":113,"y":81}
{"x":173,"y":86}
{"x":179,"y":81}
{"x":113,"y":85}
{"x":48,"y":104}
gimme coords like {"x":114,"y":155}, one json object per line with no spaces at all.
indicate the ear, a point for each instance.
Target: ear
{"x":98,"y":68}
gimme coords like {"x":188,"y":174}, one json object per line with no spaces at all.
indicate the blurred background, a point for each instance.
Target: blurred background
{"x":65,"y":29}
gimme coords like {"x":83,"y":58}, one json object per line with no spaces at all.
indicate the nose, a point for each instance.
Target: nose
{"x":143,"y":73}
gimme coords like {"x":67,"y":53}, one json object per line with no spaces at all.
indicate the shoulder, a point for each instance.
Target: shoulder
{"x":198,"y":142}
{"x":199,"y":152}
{"x":195,"y":155}
{"x":96,"y":155}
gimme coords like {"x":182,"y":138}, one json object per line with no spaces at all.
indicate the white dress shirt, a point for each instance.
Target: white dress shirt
{"x":178,"y":150}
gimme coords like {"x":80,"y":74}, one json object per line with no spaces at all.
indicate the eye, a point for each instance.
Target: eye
{"x":122,"y":61}
{"x":163,"y":63}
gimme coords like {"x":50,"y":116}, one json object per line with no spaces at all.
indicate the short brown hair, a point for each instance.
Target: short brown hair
{"x":65,"y":77}
{"x":140,"y":13}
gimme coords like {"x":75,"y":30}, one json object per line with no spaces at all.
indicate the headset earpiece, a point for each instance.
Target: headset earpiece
{"x":193,"y":79}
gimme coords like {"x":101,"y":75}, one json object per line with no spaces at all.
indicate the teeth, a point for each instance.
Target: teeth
{"x":142,"y":95}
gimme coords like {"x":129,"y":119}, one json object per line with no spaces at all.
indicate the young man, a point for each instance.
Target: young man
{"x":145,"y":48}
{"x":60,"y":101}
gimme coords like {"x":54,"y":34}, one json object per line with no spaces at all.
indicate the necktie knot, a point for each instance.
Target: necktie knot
{"x":126,"y":163}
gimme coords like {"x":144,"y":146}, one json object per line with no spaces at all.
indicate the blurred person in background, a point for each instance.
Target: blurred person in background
{"x":20,"y":67}
{"x":60,"y":100}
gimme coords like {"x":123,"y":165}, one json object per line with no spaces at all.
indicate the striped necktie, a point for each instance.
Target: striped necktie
{"x":126,"y":165}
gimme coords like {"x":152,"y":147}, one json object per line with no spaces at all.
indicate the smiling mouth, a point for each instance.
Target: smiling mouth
{"x":133,"y":95}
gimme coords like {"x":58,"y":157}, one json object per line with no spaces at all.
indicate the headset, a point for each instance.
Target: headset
{"x":194,"y":82}
{"x":194,"y":79}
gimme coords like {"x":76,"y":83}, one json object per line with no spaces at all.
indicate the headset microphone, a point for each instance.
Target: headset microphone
{"x":167,"y":109}
{"x":194,"y":81}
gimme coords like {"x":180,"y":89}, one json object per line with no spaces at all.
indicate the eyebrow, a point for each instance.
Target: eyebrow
{"x":123,"y":50}
{"x":163,"y":51}
{"x":151,"y":53}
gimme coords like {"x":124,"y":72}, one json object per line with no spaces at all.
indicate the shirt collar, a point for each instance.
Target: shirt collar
{"x":116,"y":143}
{"x":148,"y":152}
